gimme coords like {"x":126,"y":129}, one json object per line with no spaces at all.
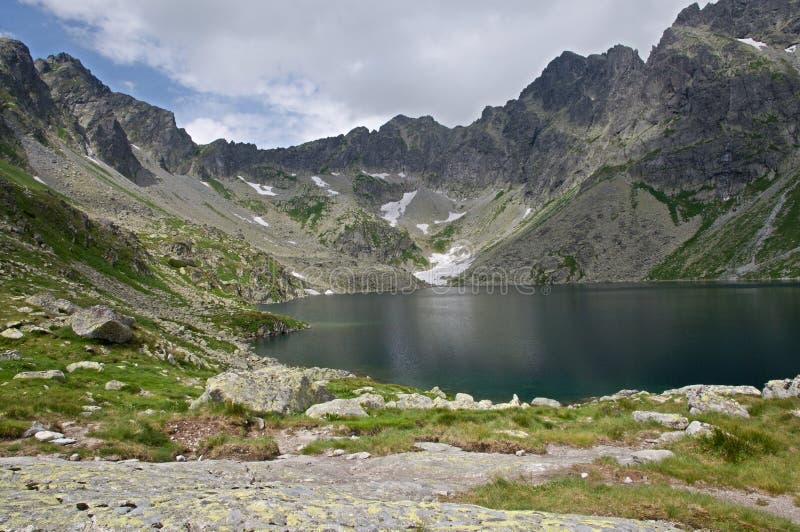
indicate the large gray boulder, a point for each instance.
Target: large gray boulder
{"x":782,"y":389}
{"x":673,"y":421}
{"x":50,"y":375}
{"x":50,"y":304}
{"x":337,"y":407}
{"x":102,"y":323}
{"x":270,"y":390}
{"x":718,"y":389}
{"x":710,"y":402}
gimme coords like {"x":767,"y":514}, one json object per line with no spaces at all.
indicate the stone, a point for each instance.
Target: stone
{"x":47,"y":435}
{"x":12,"y":334}
{"x":326,"y":374}
{"x":709,"y":402}
{"x":436,"y":391}
{"x":338,"y":452}
{"x":698,"y":428}
{"x":336,"y":407}
{"x":673,"y":421}
{"x":180,"y":458}
{"x":85,"y":364}
{"x":669,"y":437}
{"x":11,"y":354}
{"x":520,"y":453}
{"x":63,"y":441}
{"x":358,"y":456}
{"x":714,"y":388}
{"x":50,"y":374}
{"x":413,"y":401}
{"x":50,"y":304}
{"x":584,"y":475}
{"x":275,"y":389}
{"x":102,"y":323}
{"x":35,"y":427}
{"x":544,"y":401}
{"x":91,"y":408}
{"x":75,"y":457}
{"x":365,"y":389}
{"x":651,"y":455}
{"x":115,"y":385}
{"x":782,"y":389}
{"x":464,"y":398}
{"x":371,"y":400}
{"x":513,"y":433}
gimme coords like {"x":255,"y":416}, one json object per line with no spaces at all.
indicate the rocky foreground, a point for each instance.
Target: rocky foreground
{"x":395,"y":492}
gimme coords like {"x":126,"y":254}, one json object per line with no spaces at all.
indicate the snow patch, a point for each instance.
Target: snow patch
{"x":312,"y":292}
{"x":395,"y":209}
{"x":319,"y":182}
{"x":299,"y":275}
{"x":260,"y":221}
{"x":264,"y":190}
{"x":378,"y":176}
{"x":332,"y":192}
{"x":423,"y":228}
{"x":337,"y":174}
{"x":451,"y":217}
{"x":792,"y":49}
{"x":758,"y":45}
{"x":292,"y":242}
{"x":242,"y":218}
{"x":293,"y":175}
{"x":206,"y":184}
{"x":329,"y":292}
{"x":39,"y":180}
{"x":528,"y":212}
{"x":446,"y":265}
{"x":401,"y":174}
{"x":135,"y":147}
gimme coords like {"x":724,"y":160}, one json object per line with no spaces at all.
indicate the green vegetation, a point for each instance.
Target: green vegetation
{"x":441,"y":241}
{"x":306,"y":208}
{"x":656,"y":502}
{"x":219,"y":188}
{"x":256,"y":323}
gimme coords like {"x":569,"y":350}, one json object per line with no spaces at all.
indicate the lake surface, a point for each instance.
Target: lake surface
{"x":576,"y":342}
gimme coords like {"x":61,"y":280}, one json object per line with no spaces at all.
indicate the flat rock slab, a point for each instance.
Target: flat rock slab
{"x":298,"y":493}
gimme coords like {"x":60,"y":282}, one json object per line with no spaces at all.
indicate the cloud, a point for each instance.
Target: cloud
{"x":325,"y":67}
{"x":7,"y":35}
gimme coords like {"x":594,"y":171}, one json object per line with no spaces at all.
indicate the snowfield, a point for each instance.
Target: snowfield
{"x":452,"y":217}
{"x":299,"y":275}
{"x":39,"y":180}
{"x":377,"y":176}
{"x":264,"y":190}
{"x":395,"y":209}
{"x":758,"y":45}
{"x":446,"y":265}
{"x":423,"y":228}
{"x":324,"y":185}
{"x":260,"y":221}
{"x":792,"y":49}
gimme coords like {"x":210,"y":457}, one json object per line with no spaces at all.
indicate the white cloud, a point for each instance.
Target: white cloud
{"x":7,"y":35}
{"x":313,"y":68}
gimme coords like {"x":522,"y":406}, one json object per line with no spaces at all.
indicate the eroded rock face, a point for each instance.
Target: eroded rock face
{"x":102,"y":323}
{"x":269,"y":390}
{"x":782,"y":389}
{"x":709,"y":402}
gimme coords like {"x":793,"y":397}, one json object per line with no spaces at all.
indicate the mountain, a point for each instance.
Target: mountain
{"x":605,"y":168}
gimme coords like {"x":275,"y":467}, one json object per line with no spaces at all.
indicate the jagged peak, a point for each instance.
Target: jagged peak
{"x":775,"y":22}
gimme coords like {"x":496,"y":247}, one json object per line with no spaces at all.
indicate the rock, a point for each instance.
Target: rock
{"x":365,"y":389}
{"x":51,"y":305}
{"x":358,"y":456}
{"x":413,"y":401}
{"x":85,"y":364}
{"x":338,"y":452}
{"x":336,"y":407}
{"x":75,"y":457}
{"x":464,"y":398}
{"x":543,"y":401}
{"x":520,"y":453}
{"x":628,"y":480}
{"x":669,"y":437}
{"x":698,"y":428}
{"x":714,"y":388}
{"x":710,"y":402}
{"x":102,"y":323}
{"x":34,"y":428}
{"x":180,"y":458}
{"x":11,"y":354}
{"x":91,"y":408}
{"x":47,"y":435}
{"x":63,"y":441}
{"x":115,"y":385}
{"x":673,"y":421}
{"x":513,"y":433}
{"x":12,"y":334}
{"x":584,"y":475}
{"x":326,"y":374}
{"x":485,"y":404}
{"x":50,"y":374}
{"x":651,"y":455}
{"x":257,"y":422}
{"x":515,"y":401}
{"x":436,"y":391}
{"x":782,"y":389}
{"x":795,"y":413}
{"x":275,"y":389}
{"x":371,"y":400}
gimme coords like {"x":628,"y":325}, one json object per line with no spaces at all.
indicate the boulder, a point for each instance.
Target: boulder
{"x":710,"y":402}
{"x":365,"y":389}
{"x":651,"y":455}
{"x":714,"y":388}
{"x":413,"y":401}
{"x":115,"y":385}
{"x":672,"y":421}
{"x":50,"y":304}
{"x":326,"y":374}
{"x":370,"y":400}
{"x":50,"y":374}
{"x":437,"y":392}
{"x":698,"y":428}
{"x":11,"y":354}
{"x":782,"y":389}
{"x":35,"y":427}
{"x":12,"y":334}
{"x":669,"y":437}
{"x":102,"y":323}
{"x":543,"y":401}
{"x":85,"y":364}
{"x":337,"y":407}
{"x":47,"y":435}
{"x":270,"y":390}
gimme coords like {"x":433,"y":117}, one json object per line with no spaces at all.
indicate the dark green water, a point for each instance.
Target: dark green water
{"x":576,"y":342}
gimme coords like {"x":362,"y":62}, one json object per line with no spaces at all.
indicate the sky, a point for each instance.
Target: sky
{"x":281,"y":73}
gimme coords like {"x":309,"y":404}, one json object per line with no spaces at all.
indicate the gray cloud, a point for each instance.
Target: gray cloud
{"x":279,"y":72}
